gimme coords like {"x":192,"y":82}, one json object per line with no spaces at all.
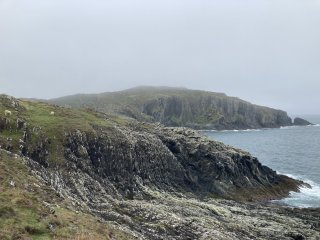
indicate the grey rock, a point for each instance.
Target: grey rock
{"x":301,"y":122}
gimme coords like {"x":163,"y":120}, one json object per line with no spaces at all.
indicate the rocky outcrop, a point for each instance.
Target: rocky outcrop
{"x":153,"y":181}
{"x":182,"y":107}
{"x":129,"y":154}
{"x":172,"y":159}
{"x":301,"y":122}
{"x":164,"y":215}
{"x":9,"y":102}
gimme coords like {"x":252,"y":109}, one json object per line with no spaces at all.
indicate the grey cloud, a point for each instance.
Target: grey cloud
{"x":264,"y":51}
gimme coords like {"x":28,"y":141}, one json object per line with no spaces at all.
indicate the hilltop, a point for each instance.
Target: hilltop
{"x":137,"y":179}
{"x":181,"y":107}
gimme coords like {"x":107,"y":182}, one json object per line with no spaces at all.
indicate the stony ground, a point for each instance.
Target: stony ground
{"x":30,"y":207}
{"x":180,"y":217}
{"x":173,"y":215}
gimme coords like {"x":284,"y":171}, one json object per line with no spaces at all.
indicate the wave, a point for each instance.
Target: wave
{"x":208,"y":130}
{"x":259,"y":129}
{"x":253,"y":130}
{"x":297,"y":126}
{"x":234,"y":130}
{"x":289,"y":127}
{"x":307,"y":197}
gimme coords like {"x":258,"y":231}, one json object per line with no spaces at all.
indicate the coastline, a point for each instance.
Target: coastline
{"x":148,"y":179}
{"x":256,"y":129}
{"x":277,"y":153}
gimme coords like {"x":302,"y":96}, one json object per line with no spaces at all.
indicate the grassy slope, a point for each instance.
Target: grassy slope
{"x":131,"y":102}
{"x":132,"y":97}
{"x":32,"y":210}
{"x":23,"y":211}
{"x":37,"y":116}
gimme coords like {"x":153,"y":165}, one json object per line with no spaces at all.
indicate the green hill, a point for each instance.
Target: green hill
{"x":181,"y":107}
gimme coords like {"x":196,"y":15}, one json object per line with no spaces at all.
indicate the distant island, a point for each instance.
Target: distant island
{"x":181,"y":107}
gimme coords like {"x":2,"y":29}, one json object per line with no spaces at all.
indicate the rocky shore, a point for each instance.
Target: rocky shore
{"x":170,"y":215}
{"x":151,"y":181}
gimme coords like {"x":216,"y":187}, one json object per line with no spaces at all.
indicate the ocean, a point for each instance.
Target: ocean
{"x":292,"y":151}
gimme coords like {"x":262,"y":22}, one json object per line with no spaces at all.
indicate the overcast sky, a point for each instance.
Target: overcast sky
{"x":264,"y":51}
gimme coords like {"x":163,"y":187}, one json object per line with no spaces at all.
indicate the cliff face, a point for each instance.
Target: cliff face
{"x":155,"y":182}
{"x":213,"y":112}
{"x":172,"y":160}
{"x":126,"y":154}
{"x":182,"y":107}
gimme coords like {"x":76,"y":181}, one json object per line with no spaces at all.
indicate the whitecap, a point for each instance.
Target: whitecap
{"x":206,"y":130}
{"x":307,"y":196}
{"x":235,"y":130}
{"x":252,"y":130}
{"x":289,"y":127}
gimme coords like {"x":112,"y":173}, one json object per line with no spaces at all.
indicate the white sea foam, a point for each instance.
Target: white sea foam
{"x":234,"y":130}
{"x":306,"y":198}
{"x":207,"y":130}
{"x":289,"y":127}
{"x":252,"y":130}
{"x":296,"y":126}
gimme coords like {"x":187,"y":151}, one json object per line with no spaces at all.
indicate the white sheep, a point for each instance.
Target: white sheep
{"x":52,"y":113}
{"x":7,"y":113}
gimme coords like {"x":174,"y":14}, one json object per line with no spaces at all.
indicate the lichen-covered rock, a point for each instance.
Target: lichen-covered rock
{"x":9,"y":101}
{"x":172,"y":159}
{"x":174,"y":215}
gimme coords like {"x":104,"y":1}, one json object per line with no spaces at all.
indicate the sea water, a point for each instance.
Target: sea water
{"x":292,"y":151}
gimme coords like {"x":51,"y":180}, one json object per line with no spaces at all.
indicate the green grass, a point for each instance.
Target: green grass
{"x":39,"y":114}
{"x":43,"y":126}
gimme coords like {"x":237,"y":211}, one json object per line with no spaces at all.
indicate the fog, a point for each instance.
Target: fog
{"x":263,"y":51}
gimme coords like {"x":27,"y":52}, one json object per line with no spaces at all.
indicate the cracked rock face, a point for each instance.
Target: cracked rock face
{"x":172,"y":159}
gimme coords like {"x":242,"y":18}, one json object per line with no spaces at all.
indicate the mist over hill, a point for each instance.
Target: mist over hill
{"x":181,"y":107}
